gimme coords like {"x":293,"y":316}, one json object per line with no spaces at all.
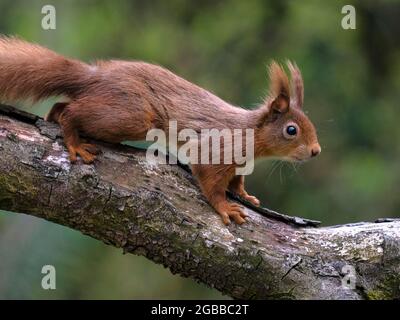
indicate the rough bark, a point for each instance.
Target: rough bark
{"x":157,"y":211}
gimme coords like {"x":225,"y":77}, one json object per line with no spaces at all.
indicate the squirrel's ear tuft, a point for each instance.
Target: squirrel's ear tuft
{"x":296,"y":83}
{"x":279,"y":93}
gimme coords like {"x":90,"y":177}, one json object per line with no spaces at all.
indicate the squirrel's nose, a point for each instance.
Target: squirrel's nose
{"x":315,"y":150}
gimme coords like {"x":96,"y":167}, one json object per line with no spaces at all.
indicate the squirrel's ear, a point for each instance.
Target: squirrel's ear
{"x":297,"y":83}
{"x":278,"y":100}
{"x":280,"y":104}
{"x":279,"y":96}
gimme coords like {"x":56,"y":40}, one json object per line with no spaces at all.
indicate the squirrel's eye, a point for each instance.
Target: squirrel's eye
{"x":291,"y":130}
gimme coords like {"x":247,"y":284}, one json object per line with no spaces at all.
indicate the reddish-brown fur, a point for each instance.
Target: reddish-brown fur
{"x":117,"y":101}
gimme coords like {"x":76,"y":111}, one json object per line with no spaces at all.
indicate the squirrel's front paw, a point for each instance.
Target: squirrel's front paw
{"x":231,"y":210}
{"x":251,"y":199}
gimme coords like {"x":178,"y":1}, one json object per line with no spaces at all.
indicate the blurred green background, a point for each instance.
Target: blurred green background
{"x":352,"y":92}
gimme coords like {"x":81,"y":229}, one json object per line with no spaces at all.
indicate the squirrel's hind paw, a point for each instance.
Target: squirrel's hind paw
{"x":85,"y":151}
{"x":91,"y":148}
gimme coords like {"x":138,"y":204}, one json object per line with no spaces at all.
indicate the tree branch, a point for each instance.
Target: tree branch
{"x":157,"y":211}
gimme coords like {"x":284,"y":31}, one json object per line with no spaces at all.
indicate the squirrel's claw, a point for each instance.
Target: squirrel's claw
{"x":85,"y":151}
{"x":234,"y":211}
{"x":252,"y":199}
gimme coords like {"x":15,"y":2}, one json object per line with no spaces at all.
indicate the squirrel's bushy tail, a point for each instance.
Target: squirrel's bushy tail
{"x":29,"y":71}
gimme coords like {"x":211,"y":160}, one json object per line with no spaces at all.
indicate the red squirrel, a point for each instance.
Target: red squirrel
{"x":117,"y":101}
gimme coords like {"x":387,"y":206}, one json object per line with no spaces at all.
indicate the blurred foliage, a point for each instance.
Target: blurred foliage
{"x":352,"y":90}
